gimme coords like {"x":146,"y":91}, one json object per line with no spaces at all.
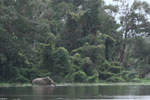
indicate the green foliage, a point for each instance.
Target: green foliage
{"x":145,"y":80}
{"x":73,"y":30}
{"x":77,"y":60}
{"x":94,"y":77}
{"x":124,"y":75}
{"x":3,"y":59}
{"x":73,"y":41}
{"x":115,"y":69}
{"x":30,"y":73}
{"x":87,"y":66}
{"x":109,"y":47}
{"x":110,"y":72}
{"x":61,"y":62}
{"x":115,"y":79}
{"x":130,"y":76}
{"x":19,"y":79}
{"x":96,"y":53}
{"x":105,"y":66}
{"x":135,"y":80}
{"x":79,"y":76}
{"x":92,"y":39}
{"x":103,"y":75}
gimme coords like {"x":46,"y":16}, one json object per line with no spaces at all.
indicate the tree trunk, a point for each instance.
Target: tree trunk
{"x":122,"y":52}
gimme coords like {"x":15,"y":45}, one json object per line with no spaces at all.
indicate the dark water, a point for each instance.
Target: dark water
{"x":77,"y":92}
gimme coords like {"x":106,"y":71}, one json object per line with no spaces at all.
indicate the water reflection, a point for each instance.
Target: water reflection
{"x":42,"y":90}
{"x":72,"y":92}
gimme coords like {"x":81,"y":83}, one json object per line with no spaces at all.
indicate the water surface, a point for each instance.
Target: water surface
{"x":77,"y":92}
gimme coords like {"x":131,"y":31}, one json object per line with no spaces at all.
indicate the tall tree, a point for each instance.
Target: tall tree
{"x":134,"y":21}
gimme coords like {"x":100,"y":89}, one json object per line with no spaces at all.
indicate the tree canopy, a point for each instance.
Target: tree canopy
{"x":74,"y":40}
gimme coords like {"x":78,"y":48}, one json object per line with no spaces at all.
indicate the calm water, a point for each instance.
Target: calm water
{"x":77,"y":92}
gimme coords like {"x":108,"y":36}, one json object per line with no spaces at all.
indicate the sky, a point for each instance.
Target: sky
{"x":130,"y":1}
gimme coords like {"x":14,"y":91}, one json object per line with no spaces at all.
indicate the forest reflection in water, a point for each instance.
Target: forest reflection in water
{"x":76,"y":92}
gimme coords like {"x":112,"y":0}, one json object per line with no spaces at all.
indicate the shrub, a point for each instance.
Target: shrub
{"x":30,"y":73}
{"x":115,"y":69}
{"x":115,"y":79}
{"x":19,"y":79}
{"x":95,"y":53}
{"x":132,"y":75}
{"x":93,"y":78}
{"x":105,"y":66}
{"x":135,"y":80}
{"x":62,"y":62}
{"x":79,"y":76}
{"x":129,"y":76}
{"x":44,"y":73}
{"x":104,"y":75}
{"x":115,"y":63}
{"x":124,"y":75}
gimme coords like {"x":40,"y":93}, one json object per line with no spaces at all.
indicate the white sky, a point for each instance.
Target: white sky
{"x":130,"y":1}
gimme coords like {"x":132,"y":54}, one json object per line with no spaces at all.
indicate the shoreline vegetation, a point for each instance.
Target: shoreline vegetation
{"x":74,"y":41}
{"x":140,"y":82}
{"x":77,"y":84}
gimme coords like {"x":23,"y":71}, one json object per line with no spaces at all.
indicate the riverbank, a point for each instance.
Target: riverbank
{"x":143,"y":82}
{"x":14,"y":85}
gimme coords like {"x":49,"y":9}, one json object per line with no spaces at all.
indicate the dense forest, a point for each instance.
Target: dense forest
{"x":74,"y":40}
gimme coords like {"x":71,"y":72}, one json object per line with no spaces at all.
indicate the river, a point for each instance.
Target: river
{"x":77,"y":92}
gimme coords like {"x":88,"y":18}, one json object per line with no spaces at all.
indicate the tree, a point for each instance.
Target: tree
{"x":134,"y":22}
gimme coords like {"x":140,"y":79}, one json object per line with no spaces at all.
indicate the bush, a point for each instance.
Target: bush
{"x":93,"y":78}
{"x":61,"y":63}
{"x":30,"y":73}
{"x":132,"y":75}
{"x":129,"y":76}
{"x":95,"y":53}
{"x":135,"y":80}
{"x":104,"y":75}
{"x":105,"y":66}
{"x":124,"y":75}
{"x":13,"y":72}
{"x":115,"y":79}
{"x":115,"y":63}
{"x":79,"y":76}
{"x":145,"y":80}
{"x":59,"y":79}
{"x":77,"y":59}
{"x":19,"y":79}
{"x":115,"y":69}
{"x":44,"y":73}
